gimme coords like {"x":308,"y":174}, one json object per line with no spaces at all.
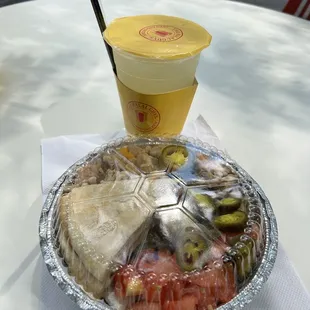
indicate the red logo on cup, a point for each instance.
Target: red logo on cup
{"x":161,"y":33}
{"x":143,"y":116}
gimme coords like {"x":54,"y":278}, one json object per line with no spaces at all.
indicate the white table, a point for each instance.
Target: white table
{"x":55,"y":78}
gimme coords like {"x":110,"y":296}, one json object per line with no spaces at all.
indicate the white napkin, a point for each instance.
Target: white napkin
{"x":283,"y":290}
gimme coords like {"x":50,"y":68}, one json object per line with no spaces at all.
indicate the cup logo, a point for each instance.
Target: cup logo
{"x":142,"y":116}
{"x":161,"y":33}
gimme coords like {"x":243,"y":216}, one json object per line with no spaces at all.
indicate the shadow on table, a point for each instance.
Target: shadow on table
{"x":265,"y":81}
{"x":10,"y":2}
{"x":26,"y":229}
{"x":18,"y":272}
{"x":47,"y":291}
{"x":283,"y":290}
{"x":36,"y":87}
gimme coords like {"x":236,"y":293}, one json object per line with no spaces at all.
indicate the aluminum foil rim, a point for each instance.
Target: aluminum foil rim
{"x":74,"y":291}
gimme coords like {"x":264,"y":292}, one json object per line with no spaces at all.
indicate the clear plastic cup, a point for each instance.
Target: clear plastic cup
{"x":156,"y":58}
{"x":155,"y":76}
{"x":156,"y":54}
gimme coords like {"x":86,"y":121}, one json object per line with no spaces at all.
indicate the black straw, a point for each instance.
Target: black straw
{"x":103,"y":27}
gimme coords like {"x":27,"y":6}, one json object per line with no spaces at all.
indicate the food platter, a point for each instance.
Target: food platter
{"x":158,"y":223}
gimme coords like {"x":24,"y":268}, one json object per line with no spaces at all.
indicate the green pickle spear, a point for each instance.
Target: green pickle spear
{"x":250,"y":244}
{"x":229,"y":205}
{"x":233,"y":222}
{"x":244,"y":254}
{"x":248,"y":263}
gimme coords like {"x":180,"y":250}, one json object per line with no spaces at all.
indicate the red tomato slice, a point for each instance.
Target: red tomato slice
{"x":162,"y":278}
{"x":173,"y":290}
{"x":128,"y":282}
{"x":205,"y":298}
{"x":216,"y":284}
{"x":204,"y":278}
{"x":228,"y":289}
{"x":145,"y":306}
{"x":158,"y":262}
{"x":153,"y":287}
{"x":162,"y":288}
{"x":188,"y":302}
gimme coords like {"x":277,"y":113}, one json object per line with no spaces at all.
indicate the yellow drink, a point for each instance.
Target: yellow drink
{"x":156,"y":58}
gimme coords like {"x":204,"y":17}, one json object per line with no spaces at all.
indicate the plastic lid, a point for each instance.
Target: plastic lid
{"x":144,"y":219}
{"x":157,"y":36}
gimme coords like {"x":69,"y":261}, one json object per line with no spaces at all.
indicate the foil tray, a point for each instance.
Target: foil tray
{"x":58,"y":269}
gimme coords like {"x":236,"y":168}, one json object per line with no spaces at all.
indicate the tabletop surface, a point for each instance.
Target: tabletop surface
{"x":55,"y":79}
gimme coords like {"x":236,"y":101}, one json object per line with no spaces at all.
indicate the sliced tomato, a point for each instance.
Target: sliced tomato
{"x":205,"y":298}
{"x":128,"y":283}
{"x":204,"y":278}
{"x":158,"y":262}
{"x":173,"y":289}
{"x":216,"y":284}
{"x":153,"y":287}
{"x":145,"y":306}
{"x":162,"y":278}
{"x":188,"y":302}
{"x":163,"y":287}
{"x":228,"y":288}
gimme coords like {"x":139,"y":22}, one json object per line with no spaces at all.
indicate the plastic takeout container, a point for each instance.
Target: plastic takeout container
{"x":155,"y":54}
{"x":158,"y":224}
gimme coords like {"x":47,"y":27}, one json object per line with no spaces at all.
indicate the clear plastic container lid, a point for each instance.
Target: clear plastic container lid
{"x":160,"y":225}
